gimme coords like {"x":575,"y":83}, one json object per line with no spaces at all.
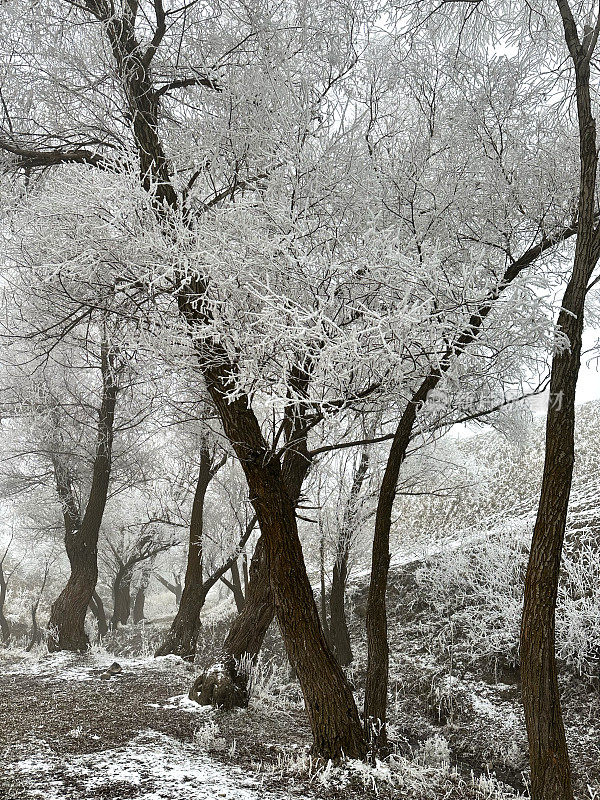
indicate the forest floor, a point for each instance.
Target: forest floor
{"x":457,"y":727}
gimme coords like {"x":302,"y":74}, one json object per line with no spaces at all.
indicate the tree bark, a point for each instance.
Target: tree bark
{"x":247,"y":632}
{"x":338,"y":625}
{"x":121,"y":592}
{"x":140,"y":596}
{"x":67,"y":615}
{"x":235,"y":586}
{"x":323,"y":597}
{"x":548,"y":752}
{"x":96,"y":606}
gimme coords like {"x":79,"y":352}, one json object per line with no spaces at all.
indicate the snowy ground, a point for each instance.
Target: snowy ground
{"x":67,"y":734}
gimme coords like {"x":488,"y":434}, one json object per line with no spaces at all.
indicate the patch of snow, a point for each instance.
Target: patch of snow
{"x":155,"y":766}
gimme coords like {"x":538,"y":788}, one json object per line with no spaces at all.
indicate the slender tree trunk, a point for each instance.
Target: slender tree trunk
{"x":323,"y":592}
{"x":67,"y":616}
{"x":36,"y":636}
{"x":339,"y":635}
{"x":4,"y":625}
{"x":245,"y":571}
{"x":548,"y":752}
{"x":338,"y":627}
{"x":138,"y":605}
{"x":235,"y":585}
{"x":182,"y":637}
{"x":96,"y":606}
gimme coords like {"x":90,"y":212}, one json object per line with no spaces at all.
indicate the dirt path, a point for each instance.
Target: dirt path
{"x":67,"y":734}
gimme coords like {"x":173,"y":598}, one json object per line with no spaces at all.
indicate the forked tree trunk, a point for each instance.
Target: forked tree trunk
{"x":176,"y":588}
{"x":548,"y":752}
{"x":67,"y":616}
{"x":328,"y":698}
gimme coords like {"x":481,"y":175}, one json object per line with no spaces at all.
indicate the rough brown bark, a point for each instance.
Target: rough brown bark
{"x":247,"y":632}
{"x":548,"y":752}
{"x":67,"y":616}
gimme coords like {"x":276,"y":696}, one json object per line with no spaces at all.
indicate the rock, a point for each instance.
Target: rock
{"x":115,"y":668}
{"x":106,"y":676}
{"x":221,"y":687}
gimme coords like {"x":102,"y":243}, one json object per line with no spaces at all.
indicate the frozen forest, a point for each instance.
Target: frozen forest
{"x":299,"y":399}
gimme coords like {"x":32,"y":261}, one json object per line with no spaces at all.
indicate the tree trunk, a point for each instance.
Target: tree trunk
{"x":4,"y":625}
{"x":67,"y":615}
{"x":328,"y":698}
{"x":121,"y":597}
{"x":339,"y":635}
{"x":323,"y":592}
{"x":248,"y":629}
{"x":182,"y":638}
{"x":235,"y":585}
{"x":140,"y":596}
{"x":138,"y":605}
{"x":36,"y":636}
{"x":548,"y":752}
{"x":338,"y":626}
{"x":176,"y":588}
{"x":97,"y":608}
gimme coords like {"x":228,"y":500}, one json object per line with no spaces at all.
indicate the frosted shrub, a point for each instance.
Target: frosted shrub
{"x":578,"y":617}
{"x":477,"y":589}
{"x":435,"y":752}
{"x":207,"y":737}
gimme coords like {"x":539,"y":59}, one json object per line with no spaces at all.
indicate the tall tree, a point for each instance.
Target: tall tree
{"x":67,"y":616}
{"x":548,"y":752}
